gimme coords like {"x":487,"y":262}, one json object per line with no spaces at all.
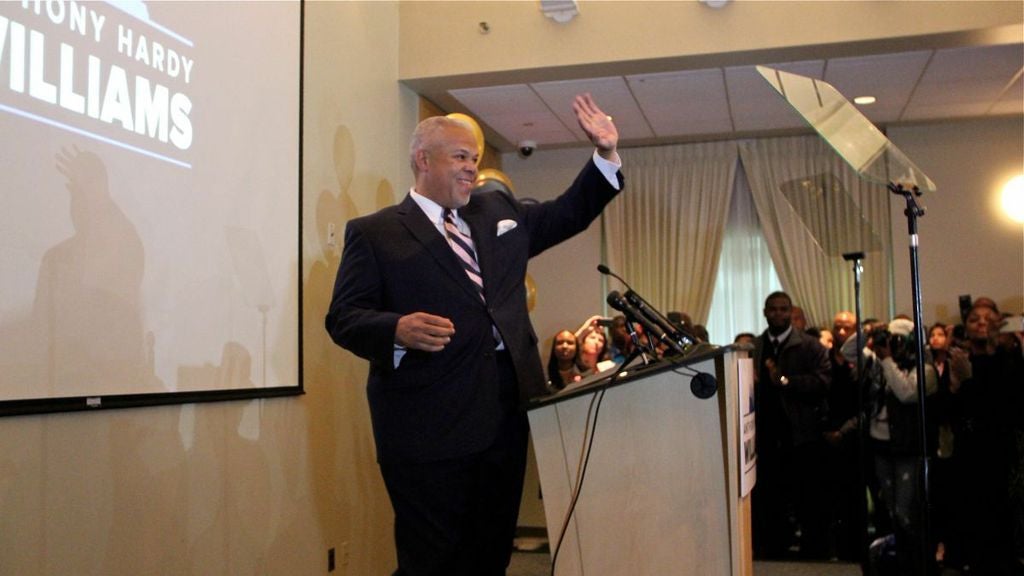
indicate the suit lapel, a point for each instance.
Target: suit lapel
{"x":413,"y":218}
{"x":488,"y":252}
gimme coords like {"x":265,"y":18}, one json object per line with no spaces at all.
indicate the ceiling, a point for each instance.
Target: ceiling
{"x":681,"y":104}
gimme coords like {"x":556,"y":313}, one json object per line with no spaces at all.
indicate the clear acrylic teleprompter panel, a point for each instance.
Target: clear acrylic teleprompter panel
{"x":847,"y":131}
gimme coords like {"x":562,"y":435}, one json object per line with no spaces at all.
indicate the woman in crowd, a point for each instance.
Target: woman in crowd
{"x":938,"y":346}
{"x":562,"y":369}
{"x":592,"y":356}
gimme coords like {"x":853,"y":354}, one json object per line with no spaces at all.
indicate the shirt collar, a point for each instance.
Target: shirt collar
{"x":434,"y":211}
{"x":781,"y":337}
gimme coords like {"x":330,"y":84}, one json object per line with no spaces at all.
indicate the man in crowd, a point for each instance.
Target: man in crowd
{"x":846,"y":499}
{"x":791,"y":387}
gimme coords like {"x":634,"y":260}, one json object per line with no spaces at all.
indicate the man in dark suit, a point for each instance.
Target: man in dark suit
{"x":791,"y":390}
{"x":432,"y":292}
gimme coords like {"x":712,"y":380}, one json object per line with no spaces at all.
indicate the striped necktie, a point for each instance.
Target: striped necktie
{"x":463,"y":247}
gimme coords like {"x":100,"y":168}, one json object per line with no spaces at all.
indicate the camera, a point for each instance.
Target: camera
{"x":526,"y":147}
{"x":901,"y":347}
{"x":965,"y":307}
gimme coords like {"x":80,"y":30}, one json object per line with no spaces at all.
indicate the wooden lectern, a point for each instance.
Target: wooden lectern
{"x":661,"y":492}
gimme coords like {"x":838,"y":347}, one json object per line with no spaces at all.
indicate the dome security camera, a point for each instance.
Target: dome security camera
{"x":526,"y":148}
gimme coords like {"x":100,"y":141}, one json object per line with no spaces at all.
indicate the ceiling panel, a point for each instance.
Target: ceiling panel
{"x":964,"y":81}
{"x":719,"y":102}
{"x":516,"y":112}
{"x":683,"y":103}
{"x":756,"y":105}
{"x":612,"y":94}
{"x":1012,"y":101}
{"x":890,"y":78}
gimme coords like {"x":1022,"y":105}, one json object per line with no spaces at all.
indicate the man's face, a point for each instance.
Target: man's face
{"x":797,"y":318}
{"x":447,"y":167}
{"x":843,"y":325}
{"x":778,"y":312}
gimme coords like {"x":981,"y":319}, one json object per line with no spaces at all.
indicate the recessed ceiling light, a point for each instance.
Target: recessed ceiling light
{"x":864,"y":100}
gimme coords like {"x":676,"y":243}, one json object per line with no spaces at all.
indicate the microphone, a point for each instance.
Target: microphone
{"x":676,"y":333}
{"x":607,"y":272}
{"x":615,"y":300}
{"x":647,"y":310}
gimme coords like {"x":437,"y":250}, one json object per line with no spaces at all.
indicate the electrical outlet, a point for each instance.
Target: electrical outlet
{"x":330,"y":559}
{"x":332,"y":236}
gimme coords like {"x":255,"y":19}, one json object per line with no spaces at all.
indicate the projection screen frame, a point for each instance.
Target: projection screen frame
{"x":84,"y":403}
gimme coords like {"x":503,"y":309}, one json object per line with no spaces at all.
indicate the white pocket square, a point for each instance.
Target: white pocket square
{"x":506,"y":225}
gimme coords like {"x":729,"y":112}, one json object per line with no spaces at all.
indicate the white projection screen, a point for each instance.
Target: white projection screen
{"x":151,"y":201}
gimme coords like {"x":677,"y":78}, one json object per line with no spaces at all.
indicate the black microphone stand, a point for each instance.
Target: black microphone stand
{"x":637,"y":352}
{"x":862,"y":413}
{"x":913,"y":212}
{"x":638,"y":349}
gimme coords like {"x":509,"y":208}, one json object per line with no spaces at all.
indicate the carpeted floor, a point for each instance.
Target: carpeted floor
{"x":533,"y":558}
{"x":539,"y":564}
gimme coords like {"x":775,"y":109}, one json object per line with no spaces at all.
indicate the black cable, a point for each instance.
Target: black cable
{"x":590,"y":429}
{"x":581,"y":472}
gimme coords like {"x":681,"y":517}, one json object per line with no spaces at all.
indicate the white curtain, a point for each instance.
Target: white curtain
{"x":813,"y":209}
{"x":664,"y":233}
{"x":746,"y":275}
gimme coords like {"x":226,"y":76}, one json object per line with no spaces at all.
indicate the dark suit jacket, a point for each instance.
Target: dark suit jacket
{"x":804,"y":402}
{"x":395,"y":262}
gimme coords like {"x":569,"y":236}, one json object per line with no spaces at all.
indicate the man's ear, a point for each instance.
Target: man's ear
{"x":422,"y":160}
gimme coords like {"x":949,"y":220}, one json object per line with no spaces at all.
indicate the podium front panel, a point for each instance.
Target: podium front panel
{"x":659,"y":491}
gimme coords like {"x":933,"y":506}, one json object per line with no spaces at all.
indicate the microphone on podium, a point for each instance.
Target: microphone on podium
{"x":607,"y":272}
{"x":676,"y":333}
{"x":633,"y":314}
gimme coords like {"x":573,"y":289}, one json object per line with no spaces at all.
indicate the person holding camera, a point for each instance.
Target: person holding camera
{"x":893,"y":412}
{"x":896,"y":434}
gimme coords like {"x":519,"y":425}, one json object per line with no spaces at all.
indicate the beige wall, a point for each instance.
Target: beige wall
{"x":443,"y":39}
{"x":967,"y":243}
{"x":260,"y":487}
{"x":568,"y":284}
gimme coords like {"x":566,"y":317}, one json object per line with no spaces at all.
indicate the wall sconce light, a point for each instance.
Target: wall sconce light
{"x":1013,"y":198}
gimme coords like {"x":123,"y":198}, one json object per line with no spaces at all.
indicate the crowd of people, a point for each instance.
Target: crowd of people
{"x":601,"y":343}
{"x":840,"y":461}
{"x":839,"y":442}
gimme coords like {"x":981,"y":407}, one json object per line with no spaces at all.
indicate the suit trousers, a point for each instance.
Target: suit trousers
{"x":458,"y":517}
